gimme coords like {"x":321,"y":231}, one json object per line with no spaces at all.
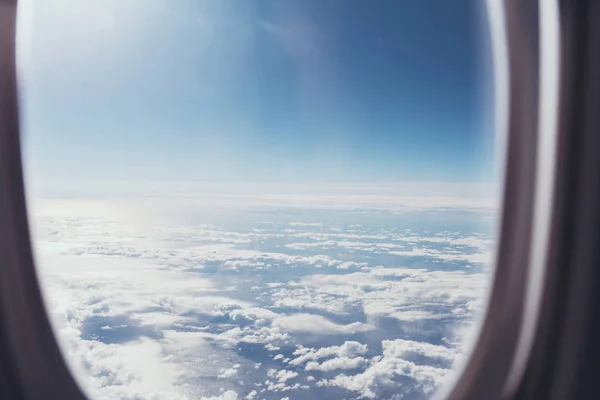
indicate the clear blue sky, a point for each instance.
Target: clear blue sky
{"x":276,"y":91}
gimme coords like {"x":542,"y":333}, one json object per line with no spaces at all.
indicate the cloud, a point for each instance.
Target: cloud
{"x":209,"y":305}
{"x":306,"y":298}
{"x":477,"y":258}
{"x":157,"y":309}
{"x":306,"y":224}
{"x":135,"y":370}
{"x":400,"y":347}
{"x":317,"y":325}
{"x":227,"y":395}
{"x":348,"y":349}
{"x":336,"y":363}
{"x":252,"y":334}
{"x":228,"y":372}
{"x":282,"y":375}
{"x":406,"y":294}
{"x":382,"y":371}
{"x":271,"y":347}
{"x":473,"y":249}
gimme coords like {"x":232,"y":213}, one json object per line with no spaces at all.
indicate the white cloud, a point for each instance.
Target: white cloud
{"x":348,"y":349}
{"x":306,"y":298}
{"x":272,"y":347}
{"x":309,"y":224}
{"x":227,"y":395}
{"x":351,"y":264}
{"x":134,"y":370}
{"x":228,"y":372}
{"x":400,"y":347}
{"x":400,"y":293}
{"x":284,"y":375}
{"x":478,"y":258}
{"x":210,"y":305}
{"x":150,"y":277}
{"x":336,"y":363}
{"x":315,"y":324}
{"x":381,"y":372}
{"x":257,"y":314}
{"x":251,"y":334}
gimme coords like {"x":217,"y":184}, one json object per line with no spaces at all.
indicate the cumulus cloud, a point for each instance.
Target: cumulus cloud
{"x":400,"y":347}
{"x":227,"y":395}
{"x":151,"y":308}
{"x":382,"y":371}
{"x":336,"y":363}
{"x":228,"y":372}
{"x":316,"y":324}
{"x":252,"y":334}
{"x":389,"y":292}
{"x":282,"y":375}
{"x":256,"y":314}
{"x":272,"y":347}
{"x":348,"y":349}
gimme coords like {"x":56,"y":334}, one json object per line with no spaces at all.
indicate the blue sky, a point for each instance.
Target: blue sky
{"x":256,"y":91}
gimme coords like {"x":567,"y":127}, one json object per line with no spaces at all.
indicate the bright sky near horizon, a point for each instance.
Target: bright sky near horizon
{"x":256,"y":91}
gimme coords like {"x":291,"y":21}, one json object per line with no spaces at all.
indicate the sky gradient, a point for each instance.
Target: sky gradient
{"x":255,"y":91}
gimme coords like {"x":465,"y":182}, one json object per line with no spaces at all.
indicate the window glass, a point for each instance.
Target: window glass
{"x":260,"y":199}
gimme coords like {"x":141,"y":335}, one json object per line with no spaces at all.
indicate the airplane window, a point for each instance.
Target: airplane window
{"x":260,"y":199}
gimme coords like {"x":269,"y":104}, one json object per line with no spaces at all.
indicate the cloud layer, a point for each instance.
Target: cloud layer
{"x":269,"y":303}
